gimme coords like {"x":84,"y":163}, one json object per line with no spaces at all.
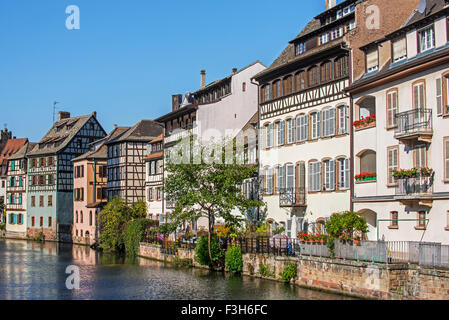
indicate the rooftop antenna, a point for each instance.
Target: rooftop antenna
{"x":54,"y":110}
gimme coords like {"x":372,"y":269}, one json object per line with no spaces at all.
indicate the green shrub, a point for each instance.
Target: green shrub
{"x":345,"y":224}
{"x":289,"y":272}
{"x":2,"y":226}
{"x":134,"y":232}
{"x":202,"y":251}
{"x":279,"y":230}
{"x":264,"y":270}
{"x":182,"y":263}
{"x":40,"y":237}
{"x":234,"y":261}
{"x":331,"y":246}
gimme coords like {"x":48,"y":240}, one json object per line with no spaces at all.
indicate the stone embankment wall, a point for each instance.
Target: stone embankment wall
{"x":359,"y":279}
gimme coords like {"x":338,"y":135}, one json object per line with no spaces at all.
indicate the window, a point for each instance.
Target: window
{"x":326,"y":71}
{"x":446,"y":158}
{"x":270,"y":137}
{"x":372,"y":60}
{"x":399,"y":49}
{"x":315,"y":119}
{"x":343,"y":174}
{"x":324,"y":38}
{"x":33,"y":201}
{"x":342,"y":119}
{"x":392,"y":164}
{"x":288,"y":85}
{"x":90,"y":218}
{"x":244,"y":86}
{"x":337,"y":33}
{"x":280,"y":132}
{"x":50,"y":201}
{"x":439,"y":95}
{"x":150,"y":194}
{"x":300,"y":48}
{"x":276,"y":89}
{"x":426,"y":39}
{"x":49,"y":222}
{"x":422,"y":220}
{"x":280,"y":179}
{"x":266,"y":93}
{"x":81,"y":217}
{"x":300,"y":81}
{"x":341,"y":67}
{"x":290,"y":130}
{"x":290,"y":176}
{"x":315,"y":176}
{"x":77,"y":217}
{"x":313,"y":76}
{"x":302,"y":128}
{"x":392,"y":108}
{"x":32,"y":221}
{"x":41,"y":221}
{"x":41,"y":201}
{"x":328,"y":117}
{"x":269,"y":178}
{"x":350,"y":25}
{"x":13,"y":165}
{"x":329,"y":175}
{"x":368,"y":161}
{"x":419,"y":96}
{"x":394,"y":216}
{"x":420,"y":157}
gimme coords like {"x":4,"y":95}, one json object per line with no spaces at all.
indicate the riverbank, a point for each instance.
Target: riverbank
{"x":351,"y":278}
{"x":32,"y":270}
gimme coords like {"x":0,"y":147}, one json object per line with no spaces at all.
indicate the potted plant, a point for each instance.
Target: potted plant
{"x":357,"y":240}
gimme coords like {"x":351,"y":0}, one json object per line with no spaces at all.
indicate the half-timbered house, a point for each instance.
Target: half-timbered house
{"x":89,"y":188}
{"x":50,"y":174}
{"x":126,"y":163}
{"x":304,"y":112}
{"x":154,"y":185}
{"x":16,"y":193}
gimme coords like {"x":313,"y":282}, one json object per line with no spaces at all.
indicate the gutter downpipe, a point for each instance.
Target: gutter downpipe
{"x":258,"y":144}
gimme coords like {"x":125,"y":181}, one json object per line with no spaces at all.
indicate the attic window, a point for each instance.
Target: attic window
{"x":372,"y":60}
{"x":399,"y":49}
{"x":300,"y":48}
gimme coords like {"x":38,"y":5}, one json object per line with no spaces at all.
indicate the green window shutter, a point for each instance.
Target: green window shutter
{"x":13,"y":165}
{"x":21,"y":164}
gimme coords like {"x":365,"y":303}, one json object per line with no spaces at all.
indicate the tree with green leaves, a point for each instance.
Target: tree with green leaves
{"x":113,"y":220}
{"x":345,"y":224}
{"x":209,"y":190}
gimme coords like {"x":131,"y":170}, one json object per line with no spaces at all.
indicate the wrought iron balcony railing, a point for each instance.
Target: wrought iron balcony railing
{"x":413,"y":123}
{"x":417,"y":187}
{"x":292,"y":197}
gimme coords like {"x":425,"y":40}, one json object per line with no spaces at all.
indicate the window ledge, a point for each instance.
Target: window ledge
{"x":393,"y":227}
{"x":447,"y":228}
{"x":420,"y":228}
{"x":367,"y":181}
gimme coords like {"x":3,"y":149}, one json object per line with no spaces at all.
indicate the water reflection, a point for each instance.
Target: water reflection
{"x":30,"y":270}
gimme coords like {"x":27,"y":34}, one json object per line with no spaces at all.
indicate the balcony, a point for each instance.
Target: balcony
{"x":415,"y":125}
{"x":292,"y":197}
{"x":412,"y":189}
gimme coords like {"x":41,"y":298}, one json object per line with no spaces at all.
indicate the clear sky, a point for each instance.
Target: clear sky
{"x":129,"y":57}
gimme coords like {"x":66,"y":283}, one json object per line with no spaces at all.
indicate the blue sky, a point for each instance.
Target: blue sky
{"x":129,"y":57}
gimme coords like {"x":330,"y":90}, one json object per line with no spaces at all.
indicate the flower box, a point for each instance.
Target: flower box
{"x":366,"y":176}
{"x":365,"y":122}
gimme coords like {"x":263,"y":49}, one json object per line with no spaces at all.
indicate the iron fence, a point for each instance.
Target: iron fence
{"x":292,"y":196}
{"x":425,"y":254}
{"x":413,"y":122}
{"x":415,"y":186}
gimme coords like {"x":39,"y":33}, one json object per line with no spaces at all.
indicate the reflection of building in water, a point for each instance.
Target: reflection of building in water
{"x":84,"y":255}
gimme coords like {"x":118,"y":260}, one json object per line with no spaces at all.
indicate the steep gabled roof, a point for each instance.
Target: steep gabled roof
{"x":101,"y":151}
{"x":143,"y":131}
{"x":62,"y":132}
{"x":12,"y":146}
{"x":22,"y":153}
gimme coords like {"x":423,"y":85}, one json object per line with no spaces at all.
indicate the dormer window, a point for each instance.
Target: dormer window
{"x":324,"y":38}
{"x":426,"y":39}
{"x":337,"y":33}
{"x":372,"y":60}
{"x":300,"y":48}
{"x":399,"y":49}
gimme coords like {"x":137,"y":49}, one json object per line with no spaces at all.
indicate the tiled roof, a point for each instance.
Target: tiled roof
{"x":59,"y":131}
{"x":158,"y":138}
{"x":12,"y":146}
{"x":101,"y":152}
{"x":143,"y":131}
{"x":154,"y":156}
{"x":23,"y":151}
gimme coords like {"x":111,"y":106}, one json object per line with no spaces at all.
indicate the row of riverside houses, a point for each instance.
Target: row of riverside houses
{"x":360,"y":92}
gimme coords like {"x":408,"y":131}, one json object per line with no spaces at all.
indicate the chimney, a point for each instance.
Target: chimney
{"x":94,"y":114}
{"x":63,"y":115}
{"x":330,"y":4}
{"x":203,"y":79}
{"x":176,"y":101}
{"x":234,"y":70}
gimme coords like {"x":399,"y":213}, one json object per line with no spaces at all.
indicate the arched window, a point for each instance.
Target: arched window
{"x":312,"y":76}
{"x":288,"y":85}
{"x":300,"y":81}
{"x":81,"y":216}
{"x":341,"y":67}
{"x":368,"y":161}
{"x":326,"y":71}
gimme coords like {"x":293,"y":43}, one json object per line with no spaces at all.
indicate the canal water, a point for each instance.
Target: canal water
{"x":30,"y":270}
